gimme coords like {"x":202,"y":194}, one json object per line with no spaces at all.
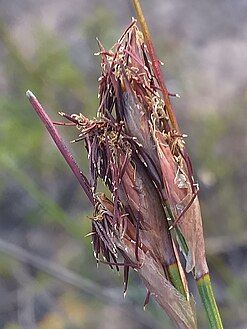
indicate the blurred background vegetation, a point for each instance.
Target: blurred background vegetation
{"x":48,"y":275}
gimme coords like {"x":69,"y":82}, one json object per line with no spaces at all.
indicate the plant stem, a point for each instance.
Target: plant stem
{"x":204,"y":285}
{"x":60,"y":145}
{"x":205,"y":290}
{"x":156,"y":64}
{"x":207,"y":296}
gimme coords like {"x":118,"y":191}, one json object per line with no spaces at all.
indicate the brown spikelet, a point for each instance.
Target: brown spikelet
{"x":183,"y":199}
{"x":151,"y":271}
{"x":122,"y":151}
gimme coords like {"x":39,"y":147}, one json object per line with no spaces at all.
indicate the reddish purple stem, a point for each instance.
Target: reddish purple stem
{"x":61,"y":145}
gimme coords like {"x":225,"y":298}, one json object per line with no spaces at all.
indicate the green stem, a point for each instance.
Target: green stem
{"x":205,"y":290}
{"x":207,"y":295}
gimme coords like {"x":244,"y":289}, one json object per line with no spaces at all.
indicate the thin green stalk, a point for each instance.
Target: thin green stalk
{"x":205,"y":290}
{"x":204,"y":286}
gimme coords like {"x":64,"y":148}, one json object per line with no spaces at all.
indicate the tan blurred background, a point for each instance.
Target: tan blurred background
{"x":48,"y":275}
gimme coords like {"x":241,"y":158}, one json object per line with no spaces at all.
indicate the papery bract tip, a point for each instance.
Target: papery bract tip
{"x":30,"y":95}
